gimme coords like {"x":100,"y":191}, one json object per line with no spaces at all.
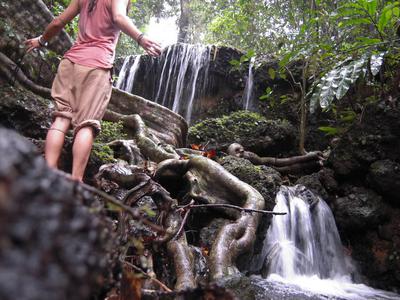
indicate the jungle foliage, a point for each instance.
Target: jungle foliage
{"x":338,"y":43}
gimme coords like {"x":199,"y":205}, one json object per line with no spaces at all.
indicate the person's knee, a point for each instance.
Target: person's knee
{"x":61,"y":123}
{"x":85,"y":133}
{"x":88,"y":126}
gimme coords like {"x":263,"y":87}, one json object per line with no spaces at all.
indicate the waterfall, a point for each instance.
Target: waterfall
{"x":306,"y":240}
{"x":180,"y":76}
{"x":303,"y":248}
{"x":126,"y":82}
{"x":248,"y":90}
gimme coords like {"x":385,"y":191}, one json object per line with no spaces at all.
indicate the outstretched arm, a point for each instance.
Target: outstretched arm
{"x":126,"y":25}
{"x":55,"y":26}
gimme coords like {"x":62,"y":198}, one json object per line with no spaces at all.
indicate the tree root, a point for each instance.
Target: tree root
{"x":290,"y":165}
{"x":183,"y":263}
{"x":15,"y":76}
{"x":210,"y":182}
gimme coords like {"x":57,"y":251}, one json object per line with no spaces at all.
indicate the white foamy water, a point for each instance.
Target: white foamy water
{"x":303,"y":249}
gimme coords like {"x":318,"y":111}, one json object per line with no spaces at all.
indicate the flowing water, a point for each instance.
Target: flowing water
{"x":303,"y":249}
{"x":127,"y":75}
{"x":248,"y":90}
{"x":180,"y":76}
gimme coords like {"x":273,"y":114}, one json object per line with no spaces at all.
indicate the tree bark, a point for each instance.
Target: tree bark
{"x":184,"y":22}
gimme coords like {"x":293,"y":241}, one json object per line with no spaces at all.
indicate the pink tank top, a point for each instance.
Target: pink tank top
{"x":97,"y":36}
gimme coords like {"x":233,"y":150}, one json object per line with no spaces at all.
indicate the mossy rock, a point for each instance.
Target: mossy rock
{"x":252,"y":130}
{"x":25,"y":112}
{"x":264,"y":179}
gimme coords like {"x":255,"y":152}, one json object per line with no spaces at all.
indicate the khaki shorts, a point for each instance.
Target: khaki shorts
{"x":81,"y":94}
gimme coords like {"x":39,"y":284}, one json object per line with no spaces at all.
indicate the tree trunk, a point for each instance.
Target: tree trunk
{"x":184,"y":21}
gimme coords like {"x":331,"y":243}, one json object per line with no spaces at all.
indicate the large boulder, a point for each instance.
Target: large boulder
{"x":322,"y":183}
{"x":360,"y":209}
{"x":53,"y":246}
{"x":252,"y":130}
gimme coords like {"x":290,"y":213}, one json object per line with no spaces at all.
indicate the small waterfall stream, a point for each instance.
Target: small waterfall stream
{"x":179,"y":74}
{"x":248,"y":90}
{"x":303,"y":249}
{"x":124,"y":82}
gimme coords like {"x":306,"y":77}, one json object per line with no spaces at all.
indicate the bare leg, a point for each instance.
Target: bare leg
{"x":81,"y":151}
{"x":55,"y":140}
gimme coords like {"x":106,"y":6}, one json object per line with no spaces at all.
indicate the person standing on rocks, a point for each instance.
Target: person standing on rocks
{"x":82,"y":87}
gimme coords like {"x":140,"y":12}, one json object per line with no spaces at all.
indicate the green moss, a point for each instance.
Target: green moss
{"x":103,"y":153}
{"x":227,"y":127}
{"x":111,"y":131}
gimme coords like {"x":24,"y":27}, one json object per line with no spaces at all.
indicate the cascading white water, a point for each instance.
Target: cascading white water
{"x":180,"y":75}
{"x":126,"y":83}
{"x":303,"y":248}
{"x":248,"y":90}
{"x":305,"y":241}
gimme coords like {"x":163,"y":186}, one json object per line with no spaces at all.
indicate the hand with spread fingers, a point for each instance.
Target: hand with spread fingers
{"x":32,"y":44}
{"x":152,"y":47}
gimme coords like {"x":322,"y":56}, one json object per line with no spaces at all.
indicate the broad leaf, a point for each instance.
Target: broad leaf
{"x":337,"y":82}
{"x":376,"y":63}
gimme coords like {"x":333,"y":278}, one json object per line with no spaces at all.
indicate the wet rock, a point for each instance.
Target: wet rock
{"x":52,"y":245}
{"x":359,"y":210}
{"x":200,"y":265}
{"x":257,"y":134}
{"x":242,"y":287}
{"x":379,"y":259}
{"x":384,"y":177}
{"x":322,"y":183}
{"x":209,"y":233}
{"x":313,"y":183}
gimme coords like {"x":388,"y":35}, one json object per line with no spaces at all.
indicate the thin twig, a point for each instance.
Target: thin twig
{"x":136,"y":268}
{"x":268,"y":212}
{"x":187,"y":208}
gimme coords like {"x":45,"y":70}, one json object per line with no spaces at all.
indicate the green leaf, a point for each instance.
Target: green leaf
{"x":348,"y":116}
{"x":243,"y":59}
{"x":386,"y":16}
{"x":112,"y":207}
{"x":148,"y":211}
{"x":376,"y":63}
{"x":364,"y":41}
{"x":267,"y":95}
{"x":337,"y":82}
{"x":272,"y":73}
{"x":234,"y":62}
{"x":329,"y":130}
{"x":371,"y":5}
{"x":250,"y":53}
{"x":356,"y":21}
